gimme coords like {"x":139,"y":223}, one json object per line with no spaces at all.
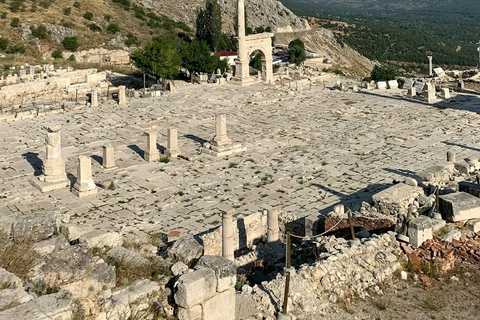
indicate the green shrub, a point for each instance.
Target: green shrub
{"x":383,"y":73}
{"x":45,"y":4}
{"x":131,"y":40}
{"x":3,"y":44}
{"x":16,"y":49}
{"x":15,"y":22}
{"x":113,"y":28}
{"x":70,"y":43}
{"x":107,"y":17}
{"x":3,"y":15}
{"x":77,"y":4}
{"x":88,"y":15}
{"x":67,"y":11}
{"x":40,"y":32}
{"x":71,"y":58}
{"x":15,"y":6}
{"x":94,"y":27}
{"x":57,"y":54}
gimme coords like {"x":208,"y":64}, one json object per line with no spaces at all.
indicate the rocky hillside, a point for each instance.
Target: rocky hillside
{"x":260,"y":13}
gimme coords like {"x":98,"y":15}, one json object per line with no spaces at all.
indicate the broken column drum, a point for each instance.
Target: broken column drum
{"x":54,"y":166}
{"x":173,"y":150}
{"x":221,"y":137}
{"x":108,"y":156}
{"x":227,"y":235}
{"x":152,"y":154}
{"x":272,"y":226}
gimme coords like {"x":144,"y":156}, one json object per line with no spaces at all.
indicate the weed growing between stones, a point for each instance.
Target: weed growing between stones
{"x":17,"y":257}
{"x":383,"y":303}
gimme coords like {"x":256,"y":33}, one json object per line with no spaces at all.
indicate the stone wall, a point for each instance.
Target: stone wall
{"x":342,"y":272}
{"x":208,"y":292}
{"x":101,"y":56}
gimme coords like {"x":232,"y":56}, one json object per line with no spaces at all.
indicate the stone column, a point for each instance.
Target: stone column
{"x":54,"y":166}
{"x":94,"y":97}
{"x":227,"y":235}
{"x":108,"y":156}
{"x":32,"y":70}
{"x":242,"y":64}
{"x":430,"y":66}
{"x":221,"y":137}
{"x":412,"y":92}
{"x":121,"y":95}
{"x":446,"y":93}
{"x":84,"y":185}
{"x":272,"y":226}
{"x":451,"y":157}
{"x":173,"y":150}
{"x":152,"y":154}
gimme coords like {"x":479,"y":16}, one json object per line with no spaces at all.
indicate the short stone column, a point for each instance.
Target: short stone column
{"x":412,"y":92}
{"x":461,"y":84}
{"x":272,"y":226}
{"x":446,"y":93}
{"x":227,"y":235}
{"x":451,"y":157}
{"x":94,"y":98}
{"x":152,"y":154}
{"x":84,"y":185}
{"x":221,"y":137}
{"x":430,"y":66}
{"x":53,"y":169}
{"x":173,"y":150}
{"x":122,"y":95}
{"x":108,"y":156}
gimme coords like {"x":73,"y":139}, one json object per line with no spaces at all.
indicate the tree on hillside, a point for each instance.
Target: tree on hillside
{"x":196,"y":57}
{"x":209,"y":25}
{"x":382,"y":74}
{"x":296,"y":51}
{"x":159,"y":58}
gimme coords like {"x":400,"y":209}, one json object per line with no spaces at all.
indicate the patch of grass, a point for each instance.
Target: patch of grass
{"x":432,"y":303}
{"x":180,"y":193}
{"x":431,"y":270}
{"x":165,"y":159}
{"x":383,"y":303}
{"x":127,"y":273}
{"x":232,"y":165}
{"x":41,"y":289}
{"x":17,"y":257}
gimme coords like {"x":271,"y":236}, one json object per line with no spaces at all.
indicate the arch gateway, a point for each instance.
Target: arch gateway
{"x":249,"y":44}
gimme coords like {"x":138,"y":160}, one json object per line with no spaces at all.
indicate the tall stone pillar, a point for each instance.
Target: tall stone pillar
{"x":53,"y":169}
{"x":430,"y":66}
{"x":221,"y":137}
{"x":84,"y":185}
{"x":121,"y":95}
{"x":242,"y":65}
{"x":173,"y":150}
{"x":227,"y":235}
{"x":94,"y":97}
{"x":272,"y":226}
{"x":108,"y":156}
{"x":152,"y":154}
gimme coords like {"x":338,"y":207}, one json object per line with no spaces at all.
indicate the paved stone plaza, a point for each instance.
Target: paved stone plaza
{"x":306,"y":152}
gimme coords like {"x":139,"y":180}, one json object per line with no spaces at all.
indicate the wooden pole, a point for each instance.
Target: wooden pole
{"x":350,"y":221}
{"x":437,"y":200}
{"x":287,"y":276}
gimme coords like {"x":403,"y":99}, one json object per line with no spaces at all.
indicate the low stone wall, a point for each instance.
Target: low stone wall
{"x":342,"y":272}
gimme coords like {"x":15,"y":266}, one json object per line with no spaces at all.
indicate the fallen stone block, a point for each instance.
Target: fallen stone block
{"x":220,"y":307}
{"x":185,"y":249}
{"x":179,"y":268}
{"x":53,"y":306}
{"x":124,"y":256}
{"x":438,"y":174}
{"x":459,"y":206}
{"x":51,"y":245}
{"x":225,"y":271}
{"x":68,"y":265}
{"x":101,"y":239}
{"x":420,"y":230}
{"x":35,"y":227}
{"x":396,"y":199}
{"x":468,"y":187}
{"x":10,"y":298}
{"x":195,"y":287}
{"x":74,"y":232}
{"x":474,"y":225}
{"x":450,"y":235}
{"x":193,"y":313}
{"x":9,"y":280}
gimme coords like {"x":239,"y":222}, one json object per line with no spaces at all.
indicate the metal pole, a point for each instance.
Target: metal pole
{"x":287,"y":276}
{"x":144,"y":86}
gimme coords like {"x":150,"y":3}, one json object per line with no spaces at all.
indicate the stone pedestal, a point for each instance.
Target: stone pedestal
{"x":53,"y":169}
{"x":272,"y":226}
{"x":412,"y":92}
{"x":227,"y":235}
{"x":152,"y":154}
{"x":108,"y":157}
{"x":221,"y":145}
{"x":84,"y":185}
{"x":446,"y":93}
{"x":94,"y":98}
{"x":122,"y":95}
{"x":172,"y":150}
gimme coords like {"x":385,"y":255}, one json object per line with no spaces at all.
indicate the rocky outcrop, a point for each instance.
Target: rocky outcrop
{"x":260,"y":13}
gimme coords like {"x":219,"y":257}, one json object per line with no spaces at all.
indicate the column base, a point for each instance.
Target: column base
{"x":82,"y":194}
{"x":49,"y":186}
{"x":221,"y":151}
{"x":152,"y":157}
{"x":173,"y":153}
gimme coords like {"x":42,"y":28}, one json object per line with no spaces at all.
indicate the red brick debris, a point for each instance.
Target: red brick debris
{"x":444,"y":255}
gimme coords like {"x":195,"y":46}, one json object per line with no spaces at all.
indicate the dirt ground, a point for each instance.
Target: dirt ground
{"x":446,"y":298}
